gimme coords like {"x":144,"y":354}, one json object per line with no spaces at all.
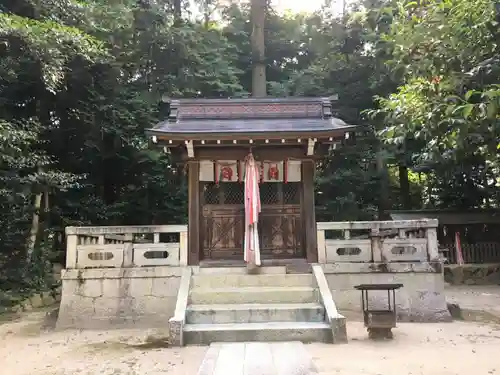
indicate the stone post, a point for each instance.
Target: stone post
{"x":320,"y":234}
{"x":377,"y":254}
{"x":71,"y":252}
{"x":183,"y":248}
{"x":432,"y":244}
{"x":128,"y":250}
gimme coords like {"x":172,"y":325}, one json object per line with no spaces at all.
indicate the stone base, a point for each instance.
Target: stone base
{"x":422,"y":298}
{"x":472,"y":274}
{"x":118,"y":298}
{"x":146,"y":296}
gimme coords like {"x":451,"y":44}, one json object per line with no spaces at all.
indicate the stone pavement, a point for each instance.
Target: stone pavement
{"x":257,"y":358}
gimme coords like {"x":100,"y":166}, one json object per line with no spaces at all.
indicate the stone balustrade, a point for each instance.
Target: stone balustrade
{"x":378,"y":241}
{"x":126,"y":246}
{"x":338,"y":242}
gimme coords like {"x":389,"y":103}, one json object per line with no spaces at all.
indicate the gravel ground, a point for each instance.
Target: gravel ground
{"x":27,"y":348}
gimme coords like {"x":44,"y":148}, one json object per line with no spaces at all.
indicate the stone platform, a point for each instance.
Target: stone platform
{"x":257,"y":358}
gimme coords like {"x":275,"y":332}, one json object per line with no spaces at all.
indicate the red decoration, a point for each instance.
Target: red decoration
{"x":226,"y":173}
{"x":273,"y":172}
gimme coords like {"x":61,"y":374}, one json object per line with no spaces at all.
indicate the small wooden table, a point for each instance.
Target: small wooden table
{"x":379,"y":322}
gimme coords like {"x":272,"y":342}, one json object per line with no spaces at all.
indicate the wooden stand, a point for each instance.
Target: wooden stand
{"x":379,"y":322}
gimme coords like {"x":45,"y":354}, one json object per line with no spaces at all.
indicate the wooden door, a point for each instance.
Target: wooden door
{"x":223,"y":221}
{"x":280,"y":222}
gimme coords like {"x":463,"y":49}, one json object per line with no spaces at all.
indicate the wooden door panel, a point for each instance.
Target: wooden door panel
{"x":280,"y":232}
{"x":223,"y":232}
{"x":223,"y":221}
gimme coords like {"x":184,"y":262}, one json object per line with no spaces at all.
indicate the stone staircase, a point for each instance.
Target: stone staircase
{"x":228,"y":305}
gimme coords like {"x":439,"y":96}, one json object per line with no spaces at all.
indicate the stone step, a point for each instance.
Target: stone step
{"x":226,"y":270}
{"x":261,"y":294}
{"x":205,"y":334}
{"x":255,"y":313}
{"x":234,"y":280}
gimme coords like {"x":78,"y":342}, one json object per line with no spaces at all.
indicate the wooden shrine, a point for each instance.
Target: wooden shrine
{"x":286,"y":137}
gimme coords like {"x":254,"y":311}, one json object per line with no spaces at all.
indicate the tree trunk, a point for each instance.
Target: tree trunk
{"x":384,"y":203}
{"x":206,"y":13}
{"x":404,"y":186}
{"x":35,"y":225}
{"x":259,"y":83}
{"x":177,"y":10}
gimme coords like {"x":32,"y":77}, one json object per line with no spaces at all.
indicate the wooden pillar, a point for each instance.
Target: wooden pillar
{"x":308,"y":211}
{"x":194,"y":213}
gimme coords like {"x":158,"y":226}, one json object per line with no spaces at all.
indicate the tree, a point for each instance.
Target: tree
{"x":447,"y":113}
{"x":259,"y":83}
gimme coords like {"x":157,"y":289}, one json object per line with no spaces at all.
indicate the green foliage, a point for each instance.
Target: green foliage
{"x":348,"y":185}
{"x":446,"y":115}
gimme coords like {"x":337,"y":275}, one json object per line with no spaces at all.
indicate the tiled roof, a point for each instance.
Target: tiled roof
{"x":254,"y":115}
{"x":297,"y":125}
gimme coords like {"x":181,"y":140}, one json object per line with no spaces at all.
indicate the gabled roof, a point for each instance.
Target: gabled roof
{"x":254,"y":116}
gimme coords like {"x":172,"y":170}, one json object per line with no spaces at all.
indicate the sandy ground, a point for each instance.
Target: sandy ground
{"x":473,"y":297}
{"x":28,"y":349}
{"x":432,"y":349}
{"x":457,"y":348}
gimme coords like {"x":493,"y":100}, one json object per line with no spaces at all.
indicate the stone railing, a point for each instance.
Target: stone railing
{"x":377,"y":241}
{"x":129,"y":246}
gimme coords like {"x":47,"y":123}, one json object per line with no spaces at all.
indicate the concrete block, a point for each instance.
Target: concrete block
{"x":176,"y":332}
{"x":339,"y":329}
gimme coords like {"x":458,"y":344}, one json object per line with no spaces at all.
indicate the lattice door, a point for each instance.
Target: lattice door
{"x":280,"y":221}
{"x":222,"y":221}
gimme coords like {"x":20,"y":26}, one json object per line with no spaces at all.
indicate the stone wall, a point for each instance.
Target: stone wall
{"x":115,"y":298}
{"x":472,"y":274}
{"x":421,"y":299}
